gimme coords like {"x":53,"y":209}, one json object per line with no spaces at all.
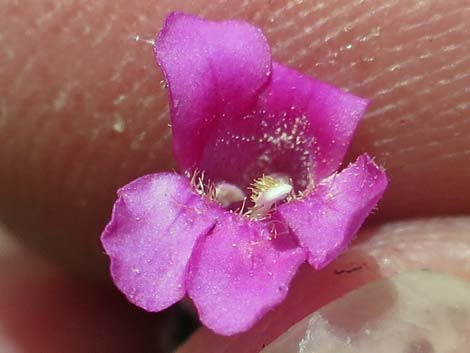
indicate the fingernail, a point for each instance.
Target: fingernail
{"x":416,"y":312}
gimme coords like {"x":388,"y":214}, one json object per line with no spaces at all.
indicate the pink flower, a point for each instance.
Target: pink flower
{"x":267,"y":141}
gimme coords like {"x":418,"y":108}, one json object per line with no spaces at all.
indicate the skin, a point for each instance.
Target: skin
{"x":83,"y":111}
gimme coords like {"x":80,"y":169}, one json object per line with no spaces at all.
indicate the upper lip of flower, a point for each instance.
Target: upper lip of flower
{"x":239,"y":118}
{"x":237,"y":115}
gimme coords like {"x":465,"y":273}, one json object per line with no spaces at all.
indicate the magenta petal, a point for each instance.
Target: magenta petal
{"x":212,"y":69}
{"x":329,"y":217}
{"x":299,"y":127}
{"x":320,"y":118}
{"x":155,"y":225}
{"x":235,"y":119}
{"x":237,"y":274}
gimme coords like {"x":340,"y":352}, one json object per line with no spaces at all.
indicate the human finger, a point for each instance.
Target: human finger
{"x":84,"y":111}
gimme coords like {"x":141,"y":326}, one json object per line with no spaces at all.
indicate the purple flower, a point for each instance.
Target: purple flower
{"x":260,"y":145}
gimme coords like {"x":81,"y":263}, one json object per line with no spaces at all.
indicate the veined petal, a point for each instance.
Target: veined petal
{"x":238,"y":273}
{"x":299,"y":127}
{"x":236,"y":118}
{"x":214,"y":71}
{"x":328,"y":218}
{"x":311,"y":123}
{"x":156,"y":222}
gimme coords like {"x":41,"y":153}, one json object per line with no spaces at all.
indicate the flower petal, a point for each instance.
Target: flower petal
{"x":155,"y":225}
{"x":212,"y":69}
{"x":311,"y":124}
{"x":328,"y":218}
{"x":298,"y":127}
{"x":237,"y":273}
{"x":236,"y":119}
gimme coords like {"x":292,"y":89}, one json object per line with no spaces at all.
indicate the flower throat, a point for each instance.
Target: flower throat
{"x":266,"y":192}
